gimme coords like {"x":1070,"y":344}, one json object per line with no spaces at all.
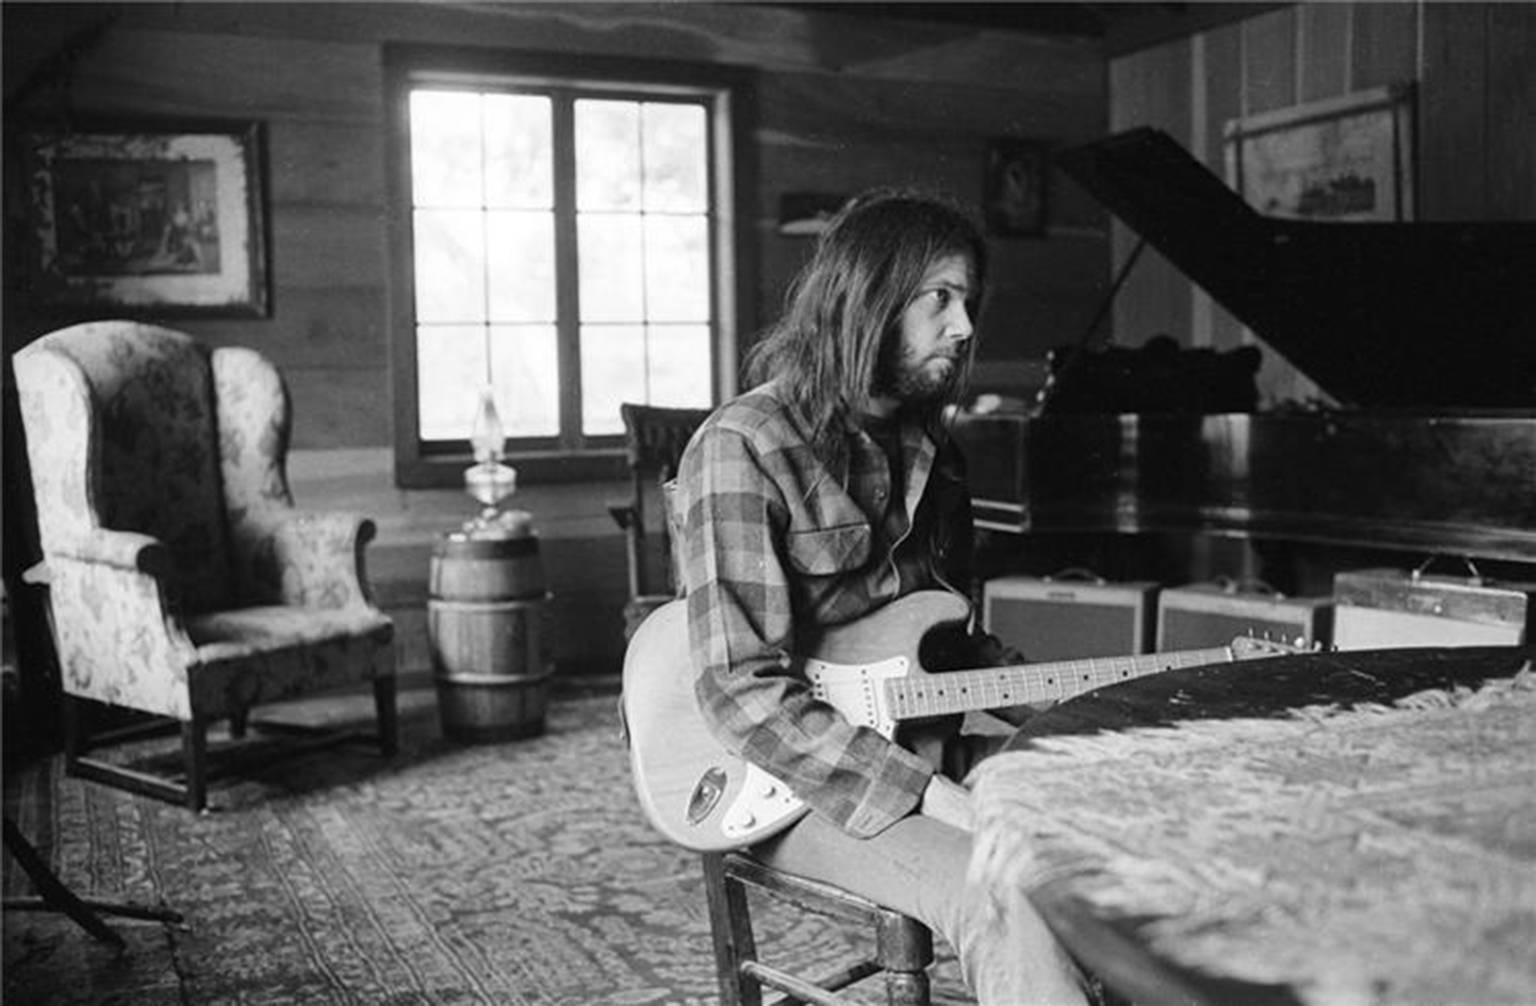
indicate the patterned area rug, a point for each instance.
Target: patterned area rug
{"x":499,"y":874}
{"x":1372,"y":855}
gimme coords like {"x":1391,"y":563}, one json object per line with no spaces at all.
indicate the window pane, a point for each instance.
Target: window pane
{"x":521,"y":254}
{"x":612,"y":371}
{"x":678,"y":365}
{"x":525,"y":371}
{"x":450,"y":266}
{"x":676,"y":269}
{"x":519,"y":165}
{"x":607,"y":155}
{"x":611,"y":268}
{"x":450,"y":369}
{"x":675,"y":158}
{"x":445,"y":148}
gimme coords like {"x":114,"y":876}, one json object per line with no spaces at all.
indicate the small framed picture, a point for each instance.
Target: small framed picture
{"x":1015,"y":192}
{"x":148,"y":218}
{"x":1348,"y":158}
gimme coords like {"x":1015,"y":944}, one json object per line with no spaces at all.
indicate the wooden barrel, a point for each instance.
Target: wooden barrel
{"x":485,"y":625}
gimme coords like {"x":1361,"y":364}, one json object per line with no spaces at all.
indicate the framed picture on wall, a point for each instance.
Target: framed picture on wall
{"x":148,"y":218}
{"x":1344,"y":159}
{"x":1015,"y":190}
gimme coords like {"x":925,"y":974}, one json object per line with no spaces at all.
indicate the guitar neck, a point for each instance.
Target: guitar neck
{"x":995,"y":687}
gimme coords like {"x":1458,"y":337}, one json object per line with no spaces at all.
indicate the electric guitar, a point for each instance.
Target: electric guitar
{"x":704,"y":798}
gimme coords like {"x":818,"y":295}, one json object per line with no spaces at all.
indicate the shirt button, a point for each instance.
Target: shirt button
{"x":879,"y":495}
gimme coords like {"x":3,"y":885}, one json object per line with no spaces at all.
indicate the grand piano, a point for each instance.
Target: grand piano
{"x":1424,"y":334}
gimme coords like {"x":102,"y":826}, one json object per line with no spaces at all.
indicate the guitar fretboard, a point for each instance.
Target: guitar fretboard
{"x":995,"y":687}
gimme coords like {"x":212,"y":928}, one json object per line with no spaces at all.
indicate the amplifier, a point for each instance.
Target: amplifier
{"x":1392,"y":608}
{"x":1062,"y":618}
{"x":1201,"y":615}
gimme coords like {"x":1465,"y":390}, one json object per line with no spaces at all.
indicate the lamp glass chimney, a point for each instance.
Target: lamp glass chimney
{"x":487,"y":436}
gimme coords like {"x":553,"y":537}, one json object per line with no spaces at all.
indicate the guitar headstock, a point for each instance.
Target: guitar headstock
{"x":1253,"y":647}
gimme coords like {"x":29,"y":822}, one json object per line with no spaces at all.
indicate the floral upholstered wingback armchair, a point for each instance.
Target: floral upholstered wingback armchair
{"x":183,"y":582}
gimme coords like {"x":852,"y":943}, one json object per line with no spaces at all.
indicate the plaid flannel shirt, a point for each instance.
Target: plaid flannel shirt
{"x":770,"y":538}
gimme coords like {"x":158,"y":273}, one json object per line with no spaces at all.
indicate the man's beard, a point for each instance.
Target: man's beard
{"x":913,"y":381}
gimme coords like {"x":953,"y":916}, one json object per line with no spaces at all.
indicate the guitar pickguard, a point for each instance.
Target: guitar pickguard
{"x":763,"y":800}
{"x":855,"y":691}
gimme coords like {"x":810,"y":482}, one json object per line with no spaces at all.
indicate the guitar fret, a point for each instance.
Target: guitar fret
{"x":993,"y":687}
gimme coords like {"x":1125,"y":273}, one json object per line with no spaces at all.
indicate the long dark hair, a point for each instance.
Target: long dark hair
{"x":848,"y":300}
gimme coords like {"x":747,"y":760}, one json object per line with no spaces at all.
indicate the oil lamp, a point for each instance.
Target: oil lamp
{"x":488,"y":480}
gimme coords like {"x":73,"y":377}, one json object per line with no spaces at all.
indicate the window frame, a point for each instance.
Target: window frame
{"x":729,"y":101}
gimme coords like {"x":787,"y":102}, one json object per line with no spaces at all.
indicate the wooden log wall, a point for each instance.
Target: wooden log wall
{"x":842,"y":104}
{"x":1474,"y":69}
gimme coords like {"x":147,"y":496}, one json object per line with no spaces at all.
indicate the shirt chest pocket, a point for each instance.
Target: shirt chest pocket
{"x":831,"y":550}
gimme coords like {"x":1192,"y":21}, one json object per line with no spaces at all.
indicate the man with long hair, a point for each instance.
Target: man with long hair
{"x":826,"y":491}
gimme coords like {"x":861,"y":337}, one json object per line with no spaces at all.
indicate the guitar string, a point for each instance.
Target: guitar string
{"x":932,"y":693}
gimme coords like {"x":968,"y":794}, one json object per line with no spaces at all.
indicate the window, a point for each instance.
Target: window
{"x":563,"y":239}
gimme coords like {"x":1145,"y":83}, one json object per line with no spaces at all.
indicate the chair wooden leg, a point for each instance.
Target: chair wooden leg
{"x":193,"y":791}
{"x":731,"y":928}
{"x":79,"y":764}
{"x":384,"y":696}
{"x":194,"y":753}
{"x":905,"y":951}
{"x":74,"y":740}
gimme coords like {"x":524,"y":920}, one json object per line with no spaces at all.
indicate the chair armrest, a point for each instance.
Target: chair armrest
{"x":118,"y":637}
{"x":128,"y":551}
{"x":310,"y":558}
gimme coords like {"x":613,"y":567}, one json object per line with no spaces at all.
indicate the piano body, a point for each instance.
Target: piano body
{"x":1424,"y":333}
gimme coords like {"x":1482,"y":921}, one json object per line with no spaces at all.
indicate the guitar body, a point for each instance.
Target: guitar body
{"x":693,"y":790}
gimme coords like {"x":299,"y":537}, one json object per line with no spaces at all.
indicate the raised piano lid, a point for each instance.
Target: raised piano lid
{"x":1381,"y":315}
